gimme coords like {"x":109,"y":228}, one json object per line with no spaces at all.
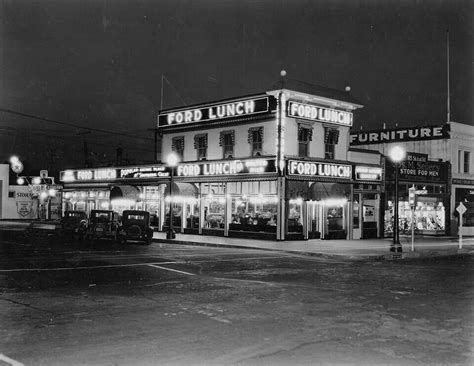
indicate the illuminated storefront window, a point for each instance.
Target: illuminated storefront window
{"x":253,"y":206}
{"x":213,"y":200}
{"x":429,"y":216}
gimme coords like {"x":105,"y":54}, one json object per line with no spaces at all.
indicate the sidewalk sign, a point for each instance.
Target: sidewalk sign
{"x":461,"y":209}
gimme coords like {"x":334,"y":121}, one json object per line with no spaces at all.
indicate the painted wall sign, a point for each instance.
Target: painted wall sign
{"x":155,"y":171}
{"x":430,"y":171}
{"x":319,"y":169}
{"x":317,"y":113}
{"x":400,"y":134}
{"x":231,"y":109}
{"x":368,"y":173}
{"x":422,"y":158}
{"x":222,"y":168}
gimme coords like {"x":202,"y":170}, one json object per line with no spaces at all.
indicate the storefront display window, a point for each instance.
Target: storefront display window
{"x":151,"y":198}
{"x":254,"y":206}
{"x":335,"y":222}
{"x":86,"y":200}
{"x":213,"y":200}
{"x":429,"y":217}
{"x":295,"y":224}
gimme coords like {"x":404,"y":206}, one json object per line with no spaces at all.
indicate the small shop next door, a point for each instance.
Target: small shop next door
{"x":365,"y":215}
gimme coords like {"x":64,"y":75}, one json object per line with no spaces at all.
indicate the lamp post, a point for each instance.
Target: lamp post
{"x":172,"y":160}
{"x":397,"y":154}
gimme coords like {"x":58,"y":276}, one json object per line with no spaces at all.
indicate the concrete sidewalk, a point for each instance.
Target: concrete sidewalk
{"x":374,"y":249}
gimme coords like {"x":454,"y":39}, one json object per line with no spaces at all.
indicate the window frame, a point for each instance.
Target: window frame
{"x":331,"y":139}
{"x":256,"y":140}
{"x":177,"y":147}
{"x":227,"y":141}
{"x":201,"y":145}
{"x":466,"y":161}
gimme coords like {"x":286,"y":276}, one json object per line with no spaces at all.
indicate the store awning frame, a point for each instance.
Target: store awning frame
{"x":124,"y":192}
{"x":182,"y":189}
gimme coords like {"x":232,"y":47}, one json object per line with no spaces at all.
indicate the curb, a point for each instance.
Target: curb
{"x":368,"y":257}
{"x":373,"y":257}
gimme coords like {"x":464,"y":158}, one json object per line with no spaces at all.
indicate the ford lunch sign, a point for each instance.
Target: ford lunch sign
{"x":240,"y":108}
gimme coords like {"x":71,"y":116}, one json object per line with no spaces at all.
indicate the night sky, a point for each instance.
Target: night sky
{"x":95,"y":67}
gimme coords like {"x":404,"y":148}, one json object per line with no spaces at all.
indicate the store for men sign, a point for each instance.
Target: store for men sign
{"x":232,"y":109}
{"x":401,"y":134}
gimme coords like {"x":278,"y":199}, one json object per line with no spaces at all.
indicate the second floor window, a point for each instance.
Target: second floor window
{"x":305,"y":134}
{"x":200,"y":144}
{"x":331,"y":138}
{"x":227,"y":141}
{"x":255,"y":139}
{"x":467,"y":158}
{"x":177,"y":145}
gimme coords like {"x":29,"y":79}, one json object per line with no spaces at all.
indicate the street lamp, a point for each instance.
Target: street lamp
{"x":172,"y":160}
{"x":397,"y":154}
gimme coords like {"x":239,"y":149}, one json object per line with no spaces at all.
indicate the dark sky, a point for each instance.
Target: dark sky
{"x":99,"y":64}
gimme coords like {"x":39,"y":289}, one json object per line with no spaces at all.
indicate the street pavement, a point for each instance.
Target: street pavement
{"x":363,"y":249}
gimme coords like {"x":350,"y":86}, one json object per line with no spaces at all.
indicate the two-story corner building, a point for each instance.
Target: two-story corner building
{"x":273,"y":165}
{"x":438,"y":164}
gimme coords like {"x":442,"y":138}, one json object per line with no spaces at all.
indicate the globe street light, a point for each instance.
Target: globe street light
{"x":172,"y":160}
{"x":397,"y":154}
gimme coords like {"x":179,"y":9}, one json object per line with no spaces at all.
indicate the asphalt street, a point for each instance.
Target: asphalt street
{"x":63,"y":304}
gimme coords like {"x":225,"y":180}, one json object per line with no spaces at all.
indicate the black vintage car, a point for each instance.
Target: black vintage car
{"x":135,"y":226}
{"x":74,"y":224}
{"x":103,"y":224}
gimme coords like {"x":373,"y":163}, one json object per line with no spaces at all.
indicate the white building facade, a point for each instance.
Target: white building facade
{"x":439,"y":160}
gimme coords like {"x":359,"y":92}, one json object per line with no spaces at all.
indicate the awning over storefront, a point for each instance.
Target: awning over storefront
{"x":182,"y":189}
{"x":124,"y":192}
{"x":319,"y":191}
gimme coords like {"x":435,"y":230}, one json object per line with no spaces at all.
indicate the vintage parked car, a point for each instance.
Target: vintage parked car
{"x":103,"y":224}
{"x":135,"y":227}
{"x":74,"y":224}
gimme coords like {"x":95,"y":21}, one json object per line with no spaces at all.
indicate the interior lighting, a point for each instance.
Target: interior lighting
{"x":334,"y":202}
{"x":20,"y":181}
{"x":36,"y":180}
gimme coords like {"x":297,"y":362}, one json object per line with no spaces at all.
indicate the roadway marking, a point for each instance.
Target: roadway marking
{"x":172,"y":270}
{"x":10,"y":361}
{"x":81,"y":268}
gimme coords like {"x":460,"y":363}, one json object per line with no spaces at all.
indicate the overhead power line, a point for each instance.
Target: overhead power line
{"x":72,"y":124}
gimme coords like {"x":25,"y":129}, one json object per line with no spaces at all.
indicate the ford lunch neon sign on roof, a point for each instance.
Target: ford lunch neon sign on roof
{"x":317,"y":113}
{"x":215,"y":112}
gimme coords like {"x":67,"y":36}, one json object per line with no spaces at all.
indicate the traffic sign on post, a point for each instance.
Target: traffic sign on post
{"x":461,"y":209}
{"x":412,"y":197}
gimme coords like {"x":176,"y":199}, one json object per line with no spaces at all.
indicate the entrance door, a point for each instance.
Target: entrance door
{"x":356,"y":216}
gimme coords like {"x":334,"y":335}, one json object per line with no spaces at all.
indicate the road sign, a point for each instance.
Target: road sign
{"x":421,"y":191}
{"x":412,"y":196}
{"x":461,"y":209}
